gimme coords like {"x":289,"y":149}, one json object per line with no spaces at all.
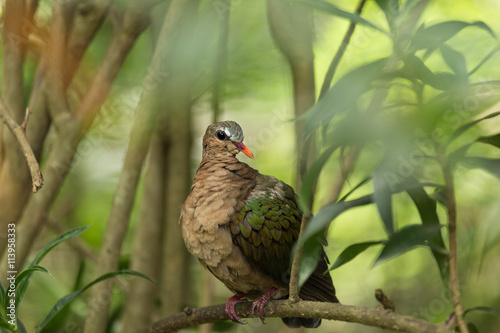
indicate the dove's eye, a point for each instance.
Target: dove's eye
{"x":221,"y":135}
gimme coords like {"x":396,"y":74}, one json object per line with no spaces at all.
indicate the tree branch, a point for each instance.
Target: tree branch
{"x":349,"y":313}
{"x":18,"y":131}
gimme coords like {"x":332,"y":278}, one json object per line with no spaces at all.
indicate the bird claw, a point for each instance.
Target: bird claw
{"x":259,"y":304}
{"x":230,"y":303}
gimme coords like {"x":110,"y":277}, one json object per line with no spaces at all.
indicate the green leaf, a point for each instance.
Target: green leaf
{"x":4,"y":324}
{"x":486,"y":309}
{"x":406,"y":239}
{"x":493,"y":140}
{"x":382,"y":195}
{"x":415,"y":67}
{"x":344,"y":94}
{"x":20,"y":327}
{"x":351,"y":252}
{"x":326,"y":215}
{"x":490,"y":165}
{"x":390,"y":9}
{"x":64,"y":301}
{"x":331,"y":9}
{"x":311,"y":177}
{"x":25,"y":274}
{"x":311,"y":254}
{"x":351,"y":191}
{"x":28,"y":271}
{"x":465,"y":127}
{"x":23,"y":285}
{"x":428,"y":214}
{"x":313,"y":235}
{"x":458,"y":154}
{"x":455,"y":60}
{"x":439,"y":195}
{"x":472,"y":328}
{"x":433,"y":37}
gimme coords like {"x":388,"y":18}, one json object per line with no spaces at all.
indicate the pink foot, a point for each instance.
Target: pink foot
{"x":230,"y":308}
{"x":259,"y":304}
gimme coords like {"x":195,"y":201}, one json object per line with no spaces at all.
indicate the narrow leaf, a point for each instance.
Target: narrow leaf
{"x":331,"y":9}
{"x":20,"y":327}
{"x":488,"y":164}
{"x":406,"y":239}
{"x":415,"y":67}
{"x":313,"y":235}
{"x":434,"y":36}
{"x":486,"y":309}
{"x":428,"y":214}
{"x":351,"y":252}
{"x":361,"y":183}
{"x":311,"y":254}
{"x":472,"y":328}
{"x":4,"y":324}
{"x":326,"y":215}
{"x":455,"y":60}
{"x":382,"y":195}
{"x":27,"y":272}
{"x":344,"y":94}
{"x":465,"y":127}
{"x":493,"y":140}
{"x":63,"y":302}
{"x":459,"y":154}
{"x":23,"y":285}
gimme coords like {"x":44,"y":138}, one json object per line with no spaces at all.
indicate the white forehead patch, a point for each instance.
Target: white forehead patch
{"x":227,"y":131}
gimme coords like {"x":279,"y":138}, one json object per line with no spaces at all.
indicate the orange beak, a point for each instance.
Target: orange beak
{"x":241,"y":147}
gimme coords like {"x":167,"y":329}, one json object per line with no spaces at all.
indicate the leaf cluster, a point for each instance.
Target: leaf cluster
{"x":412,"y":112}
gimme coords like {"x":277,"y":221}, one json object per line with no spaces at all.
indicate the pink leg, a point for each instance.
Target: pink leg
{"x":259,"y":304}
{"x":230,"y":307}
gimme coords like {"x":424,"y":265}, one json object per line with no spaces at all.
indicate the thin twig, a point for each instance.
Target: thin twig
{"x":304,"y":309}
{"x":26,"y":118}
{"x":452,"y":239}
{"x":386,"y":303}
{"x":340,"y":52}
{"x":18,"y":131}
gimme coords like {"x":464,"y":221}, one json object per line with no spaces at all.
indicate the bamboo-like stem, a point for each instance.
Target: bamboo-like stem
{"x":452,"y":239}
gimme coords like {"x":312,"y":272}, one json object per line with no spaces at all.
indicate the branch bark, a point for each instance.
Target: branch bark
{"x":72,"y":129}
{"x":291,"y":28}
{"x":14,"y":179}
{"x":375,"y":317}
{"x":118,"y":222}
{"x":18,"y":131}
{"x":143,"y":296}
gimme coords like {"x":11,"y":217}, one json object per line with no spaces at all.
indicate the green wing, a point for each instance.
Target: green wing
{"x":267,"y":226}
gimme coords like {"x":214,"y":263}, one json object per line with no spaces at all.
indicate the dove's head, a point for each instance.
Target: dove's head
{"x":224,"y":138}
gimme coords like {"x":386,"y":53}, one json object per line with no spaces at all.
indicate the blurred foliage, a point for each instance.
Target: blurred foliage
{"x":400,"y":94}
